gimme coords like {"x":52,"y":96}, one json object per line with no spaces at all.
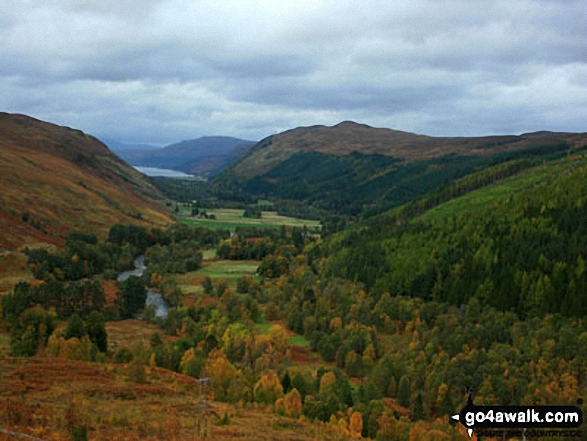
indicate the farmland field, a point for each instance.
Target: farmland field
{"x":226,"y":270}
{"x":229,"y":269}
{"x":229,"y":218}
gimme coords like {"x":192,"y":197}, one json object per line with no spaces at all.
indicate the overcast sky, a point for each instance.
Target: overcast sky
{"x":159,"y":71}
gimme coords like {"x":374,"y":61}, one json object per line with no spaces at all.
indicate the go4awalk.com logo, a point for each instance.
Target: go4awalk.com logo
{"x":529,"y":420}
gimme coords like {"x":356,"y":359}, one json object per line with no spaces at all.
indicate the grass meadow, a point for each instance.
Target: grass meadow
{"x":230,"y":218}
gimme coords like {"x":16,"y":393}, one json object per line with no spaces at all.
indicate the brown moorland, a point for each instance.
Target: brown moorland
{"x":55,"y":180}
{"x":50,"y":397}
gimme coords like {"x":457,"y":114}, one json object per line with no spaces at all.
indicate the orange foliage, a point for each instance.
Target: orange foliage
{"x":335,"y":323}
{"x":110,"y":291}
{"x":293,"y":403}
{"x":356,"y":425}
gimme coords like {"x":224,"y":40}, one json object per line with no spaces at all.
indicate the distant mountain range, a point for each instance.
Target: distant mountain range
{"x":116,"y":146}
{"x":350,"y":167}
{"x":56,"y":180}
{"x":206,"y":156}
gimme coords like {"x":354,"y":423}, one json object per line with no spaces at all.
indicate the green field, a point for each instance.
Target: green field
{"x":228,"y":269}
{"x":299,"y":340}
{"x":209,"y":254}
{"x":230,"y":218}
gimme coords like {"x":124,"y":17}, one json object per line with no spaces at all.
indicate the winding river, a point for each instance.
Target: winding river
{"x":154,"y":298}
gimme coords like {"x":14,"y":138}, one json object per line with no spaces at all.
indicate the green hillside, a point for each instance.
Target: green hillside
{"x":475,"y":288}
{"x":516,"y":244}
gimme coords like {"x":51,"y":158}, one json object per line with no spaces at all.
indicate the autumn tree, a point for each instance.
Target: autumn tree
{"x":136,"y":370}
{"x":293,"y":403}
{"x":234,"y":341}
{"x":356,"y":424}
{"x":191,"y":363}
{"x":268,"y":389}
{"x":241,"y":387}
{"x":278,"y":338}
{"x":388,"y":428}
{"x":221,"y":373}
{"x":31,"y":331}
{"x":327,"y":383}
{"x":76,"y":349}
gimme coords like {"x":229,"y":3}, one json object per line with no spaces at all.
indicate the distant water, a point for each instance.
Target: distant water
{"x":163,"y":172}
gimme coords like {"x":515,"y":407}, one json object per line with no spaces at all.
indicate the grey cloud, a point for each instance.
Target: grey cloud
{"x":147,"y":70}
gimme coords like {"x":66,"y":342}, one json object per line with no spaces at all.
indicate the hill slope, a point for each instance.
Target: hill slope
{"x":203,"y":156}
{"x":50,"y":397}
{"x":350,"y":166}
{"x":55,"y":179}
{"x":513,"y":236}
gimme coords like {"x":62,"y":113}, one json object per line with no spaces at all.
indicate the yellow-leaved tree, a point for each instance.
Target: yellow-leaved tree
{"x":278,"y":339}
{"x":327,"y":382}
{"x":191,"y":364}
{"x":76,"y":349}
{"x":221,"y":373}
{"x":268,"y":389}
{"x":292,"y":403}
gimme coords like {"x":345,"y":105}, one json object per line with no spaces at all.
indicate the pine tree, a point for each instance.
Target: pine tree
{"x":96,"y":327}
{"x":286,"y":383}
{"x":418,"y":408}
{"x":403,"y":391}
{"x":75,"y":327}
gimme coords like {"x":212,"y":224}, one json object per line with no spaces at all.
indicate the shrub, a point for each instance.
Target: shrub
{"x":123,"y":355}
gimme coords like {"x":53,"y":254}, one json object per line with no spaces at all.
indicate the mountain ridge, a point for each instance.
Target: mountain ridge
{"x":348,"y":136}
{"x":203,"y":156}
